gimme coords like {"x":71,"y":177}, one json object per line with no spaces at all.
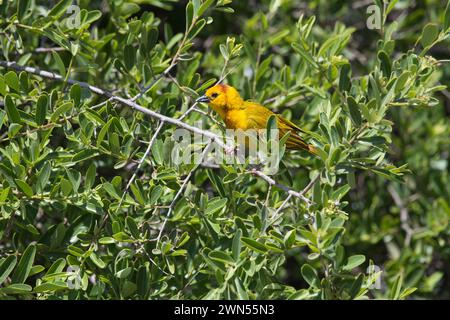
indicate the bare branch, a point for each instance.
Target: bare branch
{"x":272,"y":182}
{"x":183,"y":184}
{"x":404,"y":214}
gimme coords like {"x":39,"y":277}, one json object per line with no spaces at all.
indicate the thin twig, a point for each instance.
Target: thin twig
{"x":277,"y":214}
{"x":45,"y":50}
{"x":149,"y":147}
{"x":272,"y":182}
{"x":172,"y":204}
{"x":310,"y":184}
{"x":404,"y":214}
{"x":308,"y":187}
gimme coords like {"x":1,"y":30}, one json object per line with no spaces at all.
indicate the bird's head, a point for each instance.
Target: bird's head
{"x":222,"y":97}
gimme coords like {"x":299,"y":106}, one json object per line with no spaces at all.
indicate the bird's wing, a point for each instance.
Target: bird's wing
{"x":294,"y":141}
{"x":257,"y":115}
{"x":288,"y":123}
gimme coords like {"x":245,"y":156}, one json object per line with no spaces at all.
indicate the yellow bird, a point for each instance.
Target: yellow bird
{"x":240,"y":114}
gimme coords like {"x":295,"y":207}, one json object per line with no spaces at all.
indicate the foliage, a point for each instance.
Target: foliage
{"x":373,"y":102}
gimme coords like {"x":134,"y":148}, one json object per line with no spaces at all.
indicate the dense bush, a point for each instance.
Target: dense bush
{"x":93,"y":206}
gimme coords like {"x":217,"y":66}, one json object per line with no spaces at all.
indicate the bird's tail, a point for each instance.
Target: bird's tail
{"x":294,"y":142}
{"x":312,"y":149}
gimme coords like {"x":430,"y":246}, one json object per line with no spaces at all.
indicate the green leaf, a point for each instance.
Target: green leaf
{"x":56,"y":267}
{"x":221,"y":256}
{"x":6,"y":266}
{"x":356,"y":286}
{"x":385,"y":63}
{"x":158,"y":151}
{"x":103,"y":131}
{"x":254,"y":245}
{"x":74,"y":178}
{"x":4,"y":194}
{"x":206,"y":85}
{"x":2,"y":117}
{"x":155,"y":194}
{"x":11,"y":110}
{"x":42,"y":177}
{"x":353,"y":109}
{"x":151,"y":39}
{"x":236,"y":245}
{"x":271,"y":126}
{"x":16,"y":288}
{"x":354,"y":261}
{"x":90,"y":176}
{"x":14,"y":128}
{"x":394,"y":293}
{"x":405,"y":293}
{"x":242,"y":295}
{"x":97,"y":261}
{"x":59,"y":9}
{"x":204,"y":6}
{"x":215,"y":205}
{"x":129,"y":53}
{"x":50,"y":287}
{"x":12,"y":81}
{"x":124,"y":273}
{"x":217,"y":182}
{"x":224,"y":52}
{"x":391,"y":6}
{"x":75,"y":251}
{"x":92,"y":16}
{"x":189,"y":14}
{"x":22,"y":9}
{"x":75,"y":94}
{"x":401,"y":81}
{"x":289,"y":238}
{"x":341,"y":192}
{"x":143,"y":281}
{"x":65,"y":107}
{"x":24,"y":81}
{"x":128,"y":8}
{"x":84,"y":155}
{"x":305,"y":55}
{"x":24,"y":267}
{"x":41,"y":109}
{"x":107,"y":240}
{"x":36,"y":269}
{"x":196,"y":4}
{"x":429,"y":34}
{"x":310,"y":275}
{"x":132,"y":227}
{"x":59,"y":64}
{"x":344,"y":78}
{"x":446,"y":21}
{"x":199,"y":25}
{"x":24,"y":187}
{"x":249,"y":50}
{"x":109,"y":188}
{"x":138,"y":194}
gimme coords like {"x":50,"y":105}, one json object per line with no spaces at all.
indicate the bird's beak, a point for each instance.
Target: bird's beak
{"x":202,"y":99}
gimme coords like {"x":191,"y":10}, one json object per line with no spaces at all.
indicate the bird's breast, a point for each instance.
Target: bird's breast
{"x":236,"y":119}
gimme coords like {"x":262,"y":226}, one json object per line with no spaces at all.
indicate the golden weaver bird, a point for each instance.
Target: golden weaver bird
{"x":240,"y":114}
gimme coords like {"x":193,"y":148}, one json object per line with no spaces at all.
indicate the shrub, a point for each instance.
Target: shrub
{"x":93,"y":205}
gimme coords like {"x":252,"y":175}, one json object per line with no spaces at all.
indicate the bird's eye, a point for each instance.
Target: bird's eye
{"x":214,"y":95}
